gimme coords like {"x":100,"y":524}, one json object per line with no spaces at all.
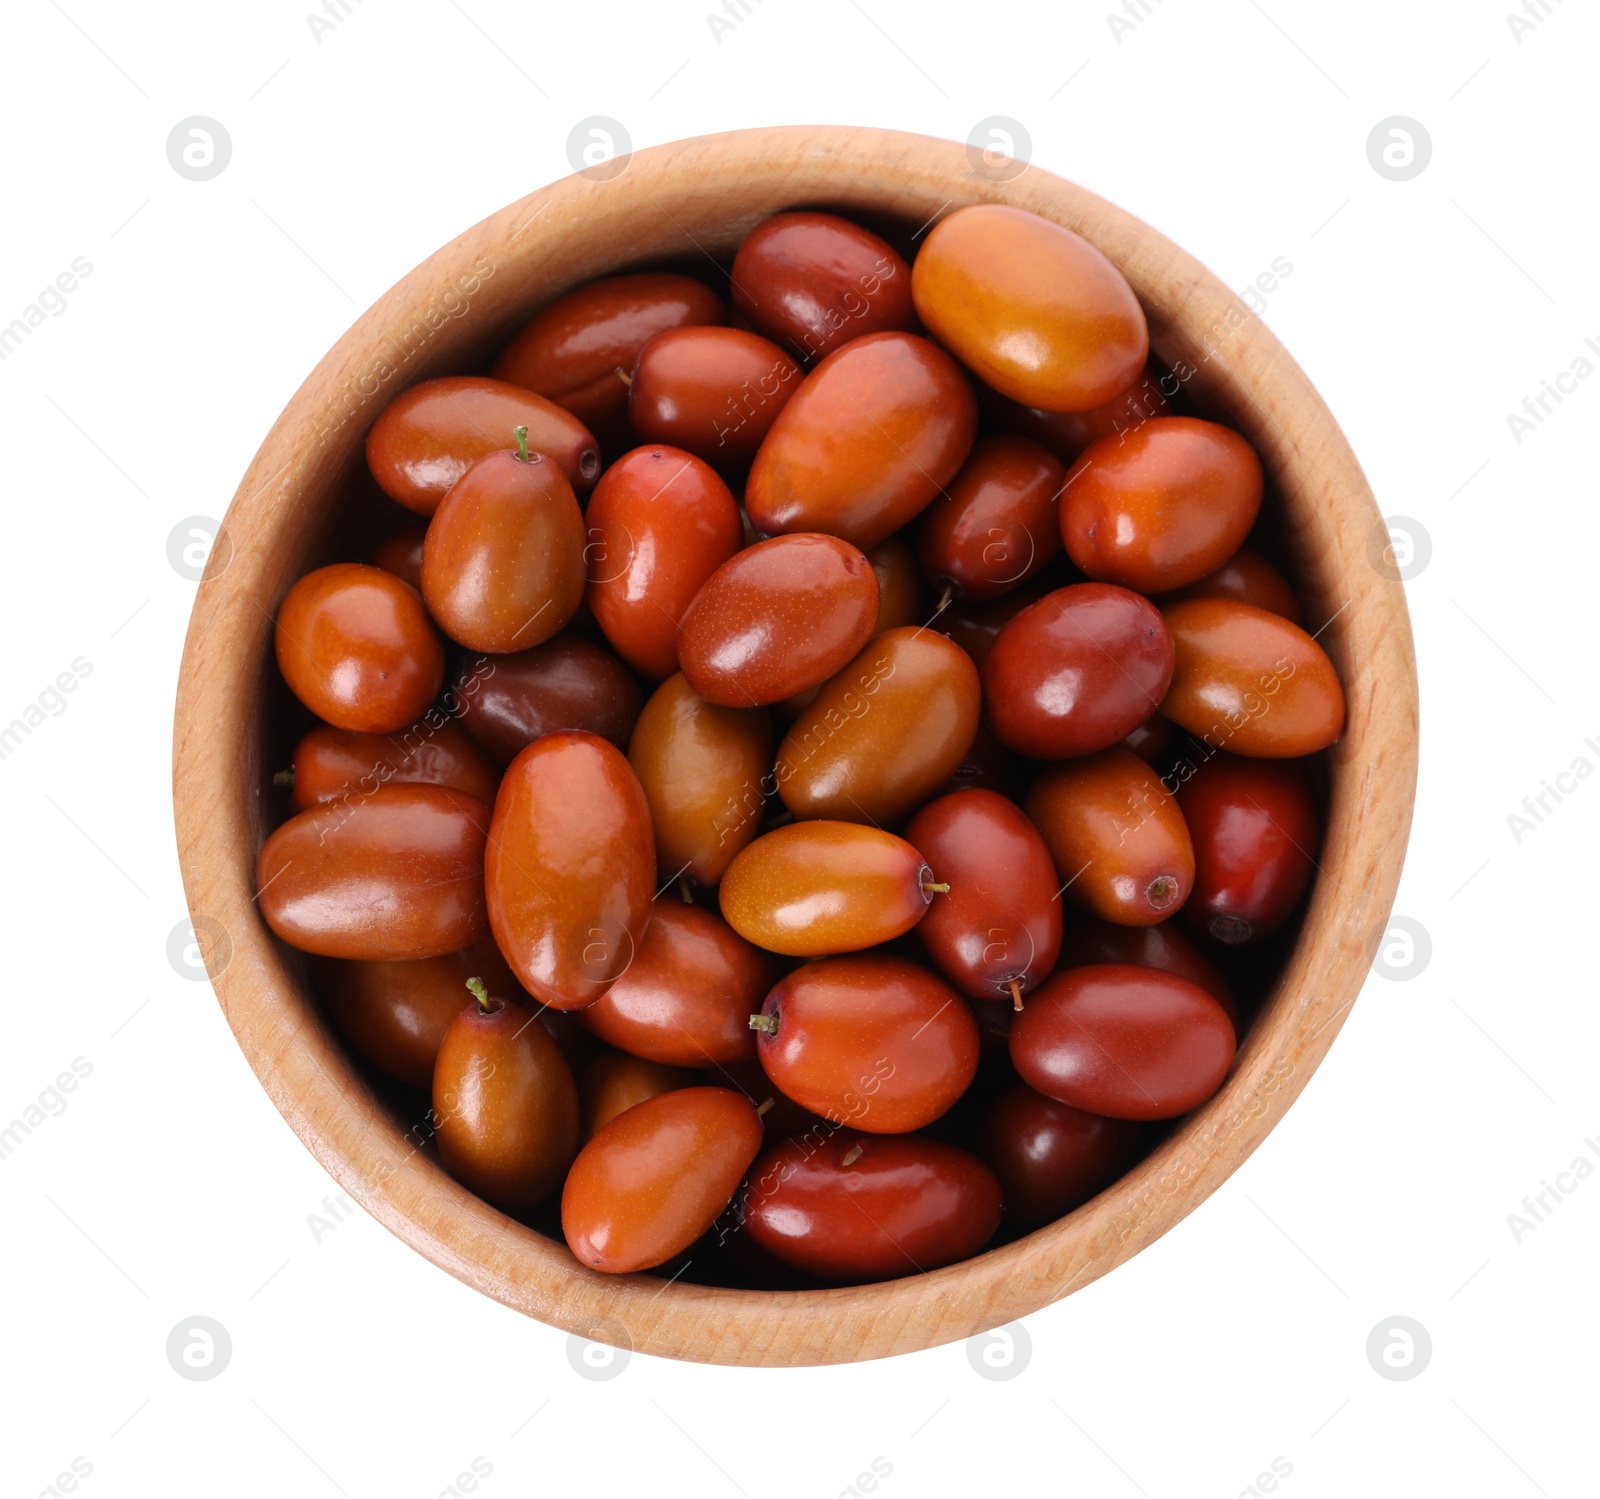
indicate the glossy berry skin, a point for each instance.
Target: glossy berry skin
{"x":1075,"y":672}
{"x":655,"y":1178}
{"x":570,"y":868}
{"x":705,"y":770}
{"x":660,"y":523}
{"x":614,"y":1082}
{"x":502,"y":568}
{"x":571,"y":351}
{"x":1256,"y":834}
{"x":1068,"y":433}
{"x":401,"y":555}
{"x":777,"y":618}
{"x":357,"y":648}
{"x":1000,"y":921}
{"x":687,"y":997}
{"x":506,"y":702}
{"x":330,"y":763}
{"x":814,"y":888}
{"x":885,"y":733}
{"x":712,"y":391}
{"x":870,"y":438}
{"x":1050,"y":1157}
{"x":1250,"y":682}
{"x":877,"y":1043}
{"x":902,"y":1205}
{"x":429,"y":436}
{"x":902,"y":596}
{"x":813,"y":281}
{"x":1087,"y":939}
{"x":1160,"y":507}
{"x":505,"y":1105}
{"x":1248,"y":578}
{"x":392,"y":875}
{"x":1117,"y":836}
{"x":1030,"y":308}
{"x":395,"y":1014}
{"x":1130,"y":1043}
{"x":997,"y":525}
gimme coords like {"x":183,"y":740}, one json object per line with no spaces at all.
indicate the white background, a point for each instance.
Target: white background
{"x":1426,"y":310}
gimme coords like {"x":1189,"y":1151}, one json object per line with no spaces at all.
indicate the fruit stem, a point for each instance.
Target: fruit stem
{"x":852,"y":1155}
{"x":284,"y":777}
{"x":761,"y":1108}
{"x":1016,"y":996}
{"x":766,"y":1024}
{"x":480,"y":994}
{"x":683,"y":890}
{"x":933,"y":887}
{"x":521,"y":434}
{"x":944,"y":600}
{"x":625,"y":377}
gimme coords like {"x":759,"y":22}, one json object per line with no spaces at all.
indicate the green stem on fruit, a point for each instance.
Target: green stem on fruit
{"x":479,"y":993}
{"x":935,"y":887}
{"x":766,"y":1024}
{"x":521,"y":434}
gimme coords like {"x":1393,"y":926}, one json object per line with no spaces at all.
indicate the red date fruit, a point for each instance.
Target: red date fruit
{"x":357,"y":648}
{"x":1255,"y":841}
{"x":1050,"y":1157}
{"x":1167,"y":946}
{"x":570,"y":868}
{"x":506,"y":702}
{"x":502,"y":568}
{"x":814,"y":888}
{"x":660,"y":523}
{"x":712,"y":391}
{"x":812,"y":281}
{"x":997,"y":932}
{"x":1161,"y":507}
{"x":572,"y":351}
{"x":1075,"y":672}
{"x":1032,"y":309}
{"x":1130,"y":1043}
{"x":1250,"y":681}
{"x":885,"y":733}
{"x":397,"y":874}
{"x":1068,"y":433}
{"x":614,"y":1082}
{"x":705,"y":773}
{"x":877,"y":1043}
{"x":655,"y":1178}
{"x":777,"y":618}
{"x":855,"y":1208}
{"x":505,"y":1104}
{"x":997,"y":525}
{"x":1248,"y":578}
{"x":401,"y":555}
{"x":870,"y":438}
{"x":1118,"y":839}
{"x":687,"y":997}
{"x":429,"y":436}
{"x":330,"y":763}
{"x":976,"y":626}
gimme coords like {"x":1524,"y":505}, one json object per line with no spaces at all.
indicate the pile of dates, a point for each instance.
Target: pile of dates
{"x":808,"y":797}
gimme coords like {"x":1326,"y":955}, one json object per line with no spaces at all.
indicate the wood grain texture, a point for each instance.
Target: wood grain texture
{"x":696,"y":198}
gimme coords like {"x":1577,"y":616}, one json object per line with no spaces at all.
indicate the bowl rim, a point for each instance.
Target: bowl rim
{"x":502,"y":269}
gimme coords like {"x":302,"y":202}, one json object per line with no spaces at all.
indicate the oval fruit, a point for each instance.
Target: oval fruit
{"x":570,"y":867}
{"x":1075,"y":672}
{"x":1255,"y":841}
{"x":1032,"y":309}
{"x":614,"y":1082}
{"x":876,"y":1043}
{"x":505,"y":1108}
{"x":401,"y":555}
{"x":885,"y":733}
{"x":712,"y":391}
{"x":976,"y":626}
{"x":1248,"y":578}
{"x":502,"y":568}
{"x":705,"y":773}
{"x":858,"y":1208}
{"x":813,"y":281}
{"x":900,"y":590}
{"x":1117,"y":837}
{"x":1130,"y":1043}
{"x":687,"y":998}
{"x":999,"y":924}
{"x":429,"y":436}
{"x":357,"y":648}
{"x":1160,"y":507}
{"x":331,"y":763}
{"x":1249,"y":681}
{"x":660,"y":523}
{"x":869,"y":439}
{"x":814,"y":888}
{"x":997,"y":525}
{"x":396,"y":874}
{"x":777,"y":618}
{"x":655,"y":1178}
{"x":1068,"y":433}
{"x":506,"y":702}
{"x":1087,"y":939}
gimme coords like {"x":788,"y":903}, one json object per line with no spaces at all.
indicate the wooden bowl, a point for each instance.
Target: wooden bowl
{"x":691,"y":202}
